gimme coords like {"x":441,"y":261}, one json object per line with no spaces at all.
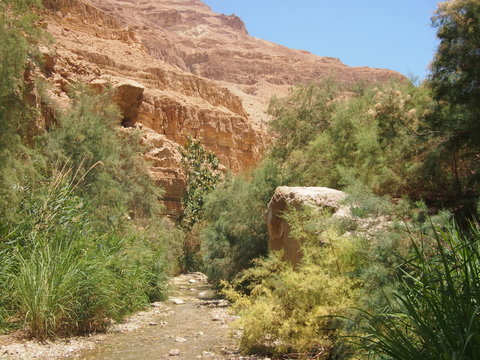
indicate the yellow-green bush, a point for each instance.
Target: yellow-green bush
{"x":311,"y":308}
{"x":290,"y":309}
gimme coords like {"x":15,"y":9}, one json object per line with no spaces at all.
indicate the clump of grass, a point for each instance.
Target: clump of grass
{"x":435,"y":314}
{"x":61,"y":277}
{"x":60,"y":290}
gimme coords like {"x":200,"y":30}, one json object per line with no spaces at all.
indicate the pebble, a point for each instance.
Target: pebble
{"x":207,"y":354}
{"x":200,"y":333}
{"x":192,"y":281}
{"x":180,"y":340}
{"x":174,"y":352}
{"x":216,"y":317}
{"x":207,"y":294}
{"x":178,"y":301}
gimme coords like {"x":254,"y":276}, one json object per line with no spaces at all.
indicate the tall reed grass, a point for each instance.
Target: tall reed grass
{"x":60,"y":277}
{"x":435,"y":314}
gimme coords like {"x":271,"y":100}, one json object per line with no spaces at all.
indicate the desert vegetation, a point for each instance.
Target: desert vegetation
{"x":73,"y":202}
{"x":405,"y":151}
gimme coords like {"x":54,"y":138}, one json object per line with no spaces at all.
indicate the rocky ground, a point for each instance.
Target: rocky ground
{"x":192,"y":324}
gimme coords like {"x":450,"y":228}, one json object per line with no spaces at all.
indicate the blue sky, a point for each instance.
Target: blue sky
{"x":392,"y":34}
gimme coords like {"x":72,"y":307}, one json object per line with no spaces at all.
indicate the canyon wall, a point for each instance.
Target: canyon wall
{"x":178,"y":69}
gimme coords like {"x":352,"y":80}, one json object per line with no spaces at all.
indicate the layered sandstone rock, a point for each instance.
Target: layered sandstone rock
{"x":286,"y":198}
{"x":179,"y":69}
{"x":96,"y":48}
{"x":188,"y":34}
{"x":164,"y":159}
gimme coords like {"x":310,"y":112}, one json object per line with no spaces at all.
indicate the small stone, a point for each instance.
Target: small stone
{"x":174,"y":352}
{"x":216,"y":317}
{"x":208,"y":354}
{"x":200,"y":333}
{"x":207,"y":294}
{"x":178,"y":301}
{"x":180,"y":340}
{"x":192,"y":281}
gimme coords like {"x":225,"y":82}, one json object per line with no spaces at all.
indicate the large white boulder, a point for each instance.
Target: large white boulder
{"x":285,"y":198}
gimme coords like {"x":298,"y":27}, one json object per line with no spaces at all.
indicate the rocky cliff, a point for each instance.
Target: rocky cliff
{"x":178,"y":69}
{"x":188,"y":34}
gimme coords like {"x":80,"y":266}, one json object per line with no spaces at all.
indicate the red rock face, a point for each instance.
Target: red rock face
{"x":188,"y":34}
{"x":181,"y":70}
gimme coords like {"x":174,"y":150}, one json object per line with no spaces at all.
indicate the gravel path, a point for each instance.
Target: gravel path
{"x":191,"y":325}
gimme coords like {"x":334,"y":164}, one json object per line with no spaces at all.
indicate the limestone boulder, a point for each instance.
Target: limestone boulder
{"x":286,"y":198}
{"x":330,"y":200}
{"x":128,"y":95}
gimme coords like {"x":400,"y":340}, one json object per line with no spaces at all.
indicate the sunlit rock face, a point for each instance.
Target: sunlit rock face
{"x":189,"y":35}
{"x":179,"y":69}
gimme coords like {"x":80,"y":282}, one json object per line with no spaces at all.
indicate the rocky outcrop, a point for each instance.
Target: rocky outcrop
{"x":148,"y":91}
{"x":333,"y":201}
{"x":286,"y":198}
{"x":128,"y":95}
{"x":98,"y":49}
{"x":188,"y":34}
{"x":164,"y":158}
{"x":179,"y":69}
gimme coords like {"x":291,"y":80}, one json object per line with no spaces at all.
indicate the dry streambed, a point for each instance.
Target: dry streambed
{"x":192,"y":324}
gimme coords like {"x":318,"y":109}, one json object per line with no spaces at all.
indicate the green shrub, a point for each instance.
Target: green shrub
{"x":203,"y":174}
{"x":63,"y":277}
{"x":300,"y":117}
{"x":114,"y":176}
{"x":374,"y":137}
{"x":201,"y":169}
{"x":18,"y":37}
{"x":235,"y":231}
